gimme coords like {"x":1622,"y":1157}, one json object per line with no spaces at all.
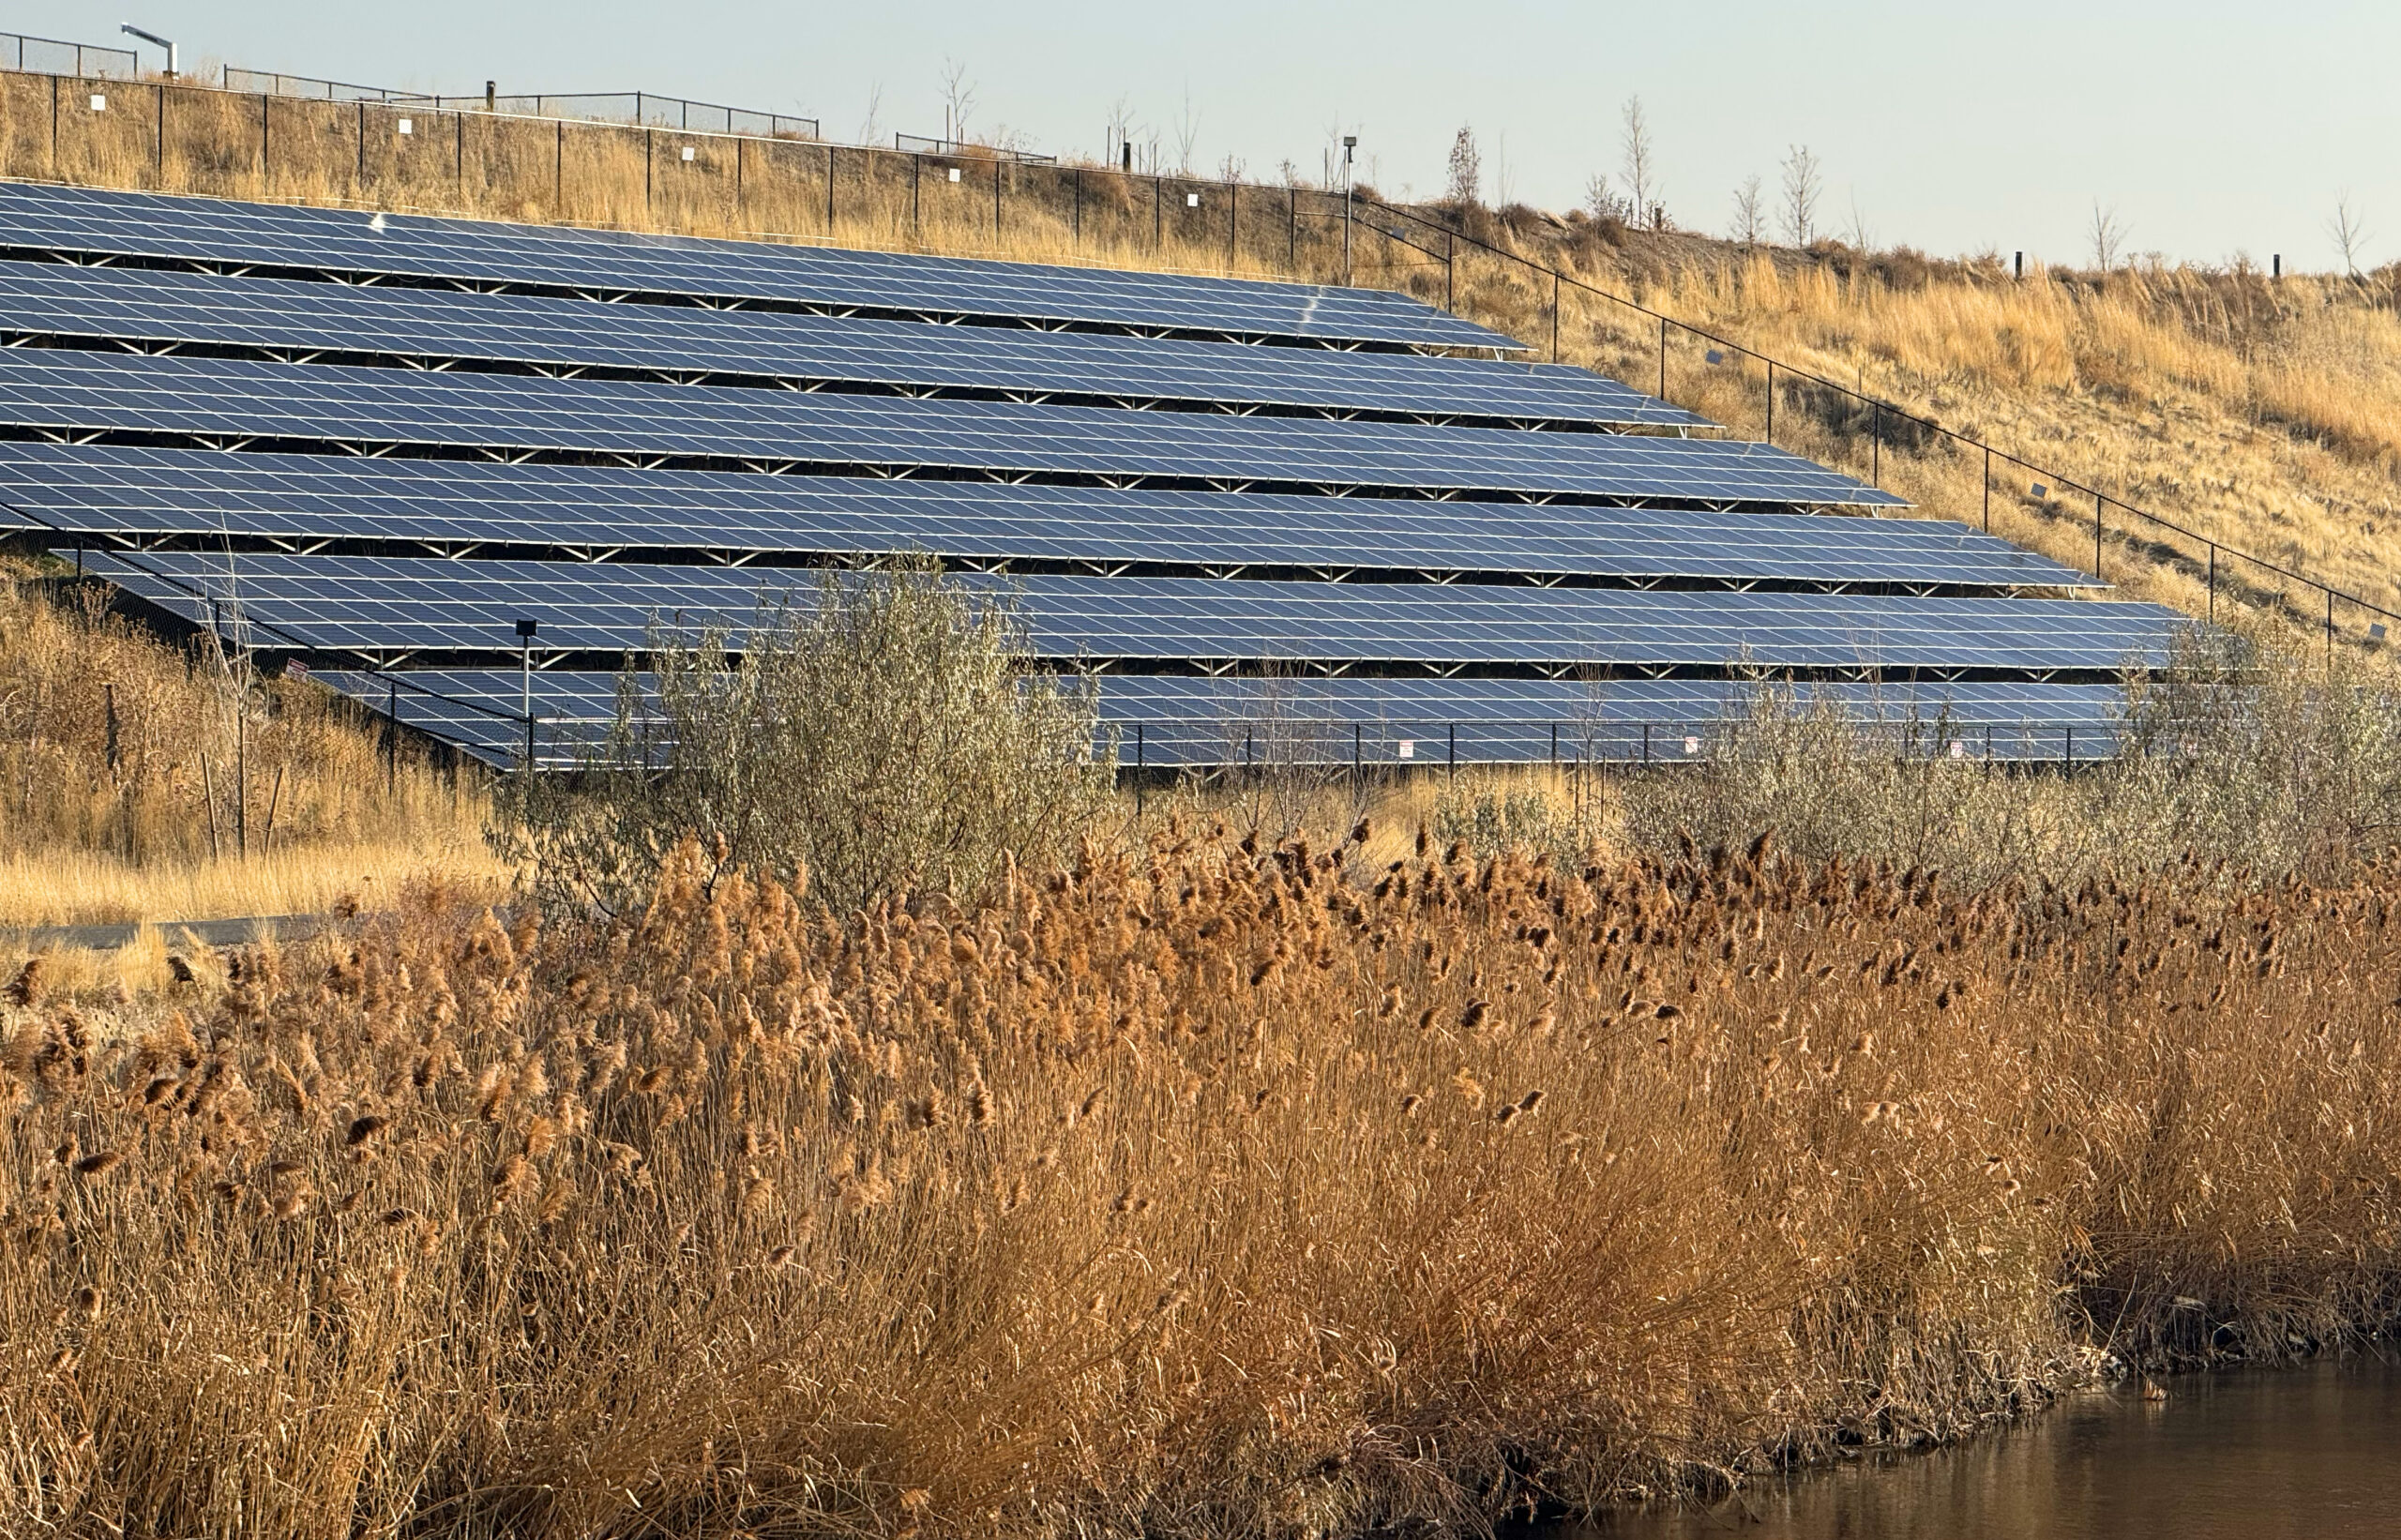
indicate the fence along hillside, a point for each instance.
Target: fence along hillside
{"x":403,"y":156}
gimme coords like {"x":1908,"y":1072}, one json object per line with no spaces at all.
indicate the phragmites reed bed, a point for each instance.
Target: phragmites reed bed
{"x":1210,"y":1189}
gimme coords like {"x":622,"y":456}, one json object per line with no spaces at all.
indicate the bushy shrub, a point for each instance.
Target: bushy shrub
{"x":888,"y":735}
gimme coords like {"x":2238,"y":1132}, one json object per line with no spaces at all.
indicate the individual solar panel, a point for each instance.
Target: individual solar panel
{"x":380,"y":606}
{"x":435,"y":328}
{"x":36,"y":218}
{"x":147,"y":496}
{"x":233,"y":401}
{"x":1164,"y":722}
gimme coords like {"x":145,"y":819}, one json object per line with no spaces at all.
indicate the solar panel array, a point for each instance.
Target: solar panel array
{"x":1265,"y":549}
{"x":442,"y":330}
{"x":215,"y":234}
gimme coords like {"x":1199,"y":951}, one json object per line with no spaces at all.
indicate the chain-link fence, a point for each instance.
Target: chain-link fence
{"x":308,"y":86}
{"x":85,"y":61}
{"x":645,"y":109}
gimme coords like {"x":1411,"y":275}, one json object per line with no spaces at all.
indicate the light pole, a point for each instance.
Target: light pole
{"x":1350,"y":142}
{"x":132,"y":31}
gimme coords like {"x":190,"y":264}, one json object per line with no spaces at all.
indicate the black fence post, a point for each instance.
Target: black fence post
{"x":1554,"y":316}
{"x":1987,"y":488}
{"x":2096,"y":535}
{"x":1771,"y":403}
{"x":829,"y":191}
{"x":1663,"y":358}
{"x":1079,"y":238}
{"x":2212,"y":582}
{"x":1876,"y":445}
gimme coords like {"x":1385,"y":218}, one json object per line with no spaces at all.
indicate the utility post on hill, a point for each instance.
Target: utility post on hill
{"x":1350,"y":142}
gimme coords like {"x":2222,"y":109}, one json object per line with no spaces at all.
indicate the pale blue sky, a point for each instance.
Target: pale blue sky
{"x":2210,"y":128}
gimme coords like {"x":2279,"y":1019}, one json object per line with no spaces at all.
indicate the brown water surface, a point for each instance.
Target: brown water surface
{"x":2303,"y":1454}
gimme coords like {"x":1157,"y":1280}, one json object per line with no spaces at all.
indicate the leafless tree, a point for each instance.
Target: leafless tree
{"x":1187,"y":133}
{"x":1862,"y":238}
{"x":1750,"y":213}
{"x":958,"y":100}
{"x":1602,"y":201}
{"x":1640,"y":165}
{"x":870,"y":127}
{"x":1121,"y":126}
{"x":2349,"y":234}
{"x":1465,"y":188}
{"x":1803,"y":182}
{"x":2108,"y":236}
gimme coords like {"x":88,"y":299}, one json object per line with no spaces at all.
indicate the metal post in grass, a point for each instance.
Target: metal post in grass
{"x":1554,"y":315}
{"x":1663,"y":358}
{"x":1349,"y":144}
{"x":2096,"y":535}
{"x":1876,"y":446}
{"x":1987,"y":488}
{"x":996,"y":199}
{"x":392,"y":738}
{"x":1451,"y":765}
{"x":1771,"y":403}
{"x":526,"y":630}
{"x":1233,"y":202}
{"x":1080,"y":209}
{"x":2212,"y":582}
{"x":829,"y":191}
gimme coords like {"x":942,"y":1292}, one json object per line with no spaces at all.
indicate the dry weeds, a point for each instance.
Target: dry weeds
{"x":1210,"y":1190}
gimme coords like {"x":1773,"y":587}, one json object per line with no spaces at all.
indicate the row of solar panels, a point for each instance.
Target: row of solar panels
{"x":220,"y":403}
{"x":1166,"y":722}
{"x":420,"y":609}
{"x":108,"y":495}
{"x":55,"y":304}
{"x":213,"y":234}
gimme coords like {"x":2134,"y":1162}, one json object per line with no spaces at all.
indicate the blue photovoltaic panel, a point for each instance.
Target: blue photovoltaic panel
{"x":1171,"y":722}
{"x":35,"y":217}
{"x":236,"y":402}
{"x":417,"y":605}
{"x":147,"y":494}
{"x":435,"y":326}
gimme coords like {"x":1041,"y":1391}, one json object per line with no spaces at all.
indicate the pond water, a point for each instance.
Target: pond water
{"x":2312,"y":1452}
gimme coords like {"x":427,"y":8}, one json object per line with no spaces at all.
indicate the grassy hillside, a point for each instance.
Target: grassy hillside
{"x":2261,"y":414}
{"x":143,"y":782}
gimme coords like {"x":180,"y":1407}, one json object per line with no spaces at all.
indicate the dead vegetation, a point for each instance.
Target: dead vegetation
{"x":1206,"y":1189}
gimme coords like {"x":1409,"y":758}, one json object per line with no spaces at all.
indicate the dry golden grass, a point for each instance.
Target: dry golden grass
{"x":59,"y":887}
{"x":138,"y":782}
{"x":1207,"y":1191}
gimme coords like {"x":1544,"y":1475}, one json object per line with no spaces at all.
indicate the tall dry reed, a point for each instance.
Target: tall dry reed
{"x":1208,"y":1189}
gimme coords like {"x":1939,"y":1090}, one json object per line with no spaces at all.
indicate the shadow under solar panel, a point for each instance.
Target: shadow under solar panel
{"x":1173,"y":722}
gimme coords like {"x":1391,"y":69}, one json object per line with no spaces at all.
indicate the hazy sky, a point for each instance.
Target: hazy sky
{"x":2209,"y":127}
